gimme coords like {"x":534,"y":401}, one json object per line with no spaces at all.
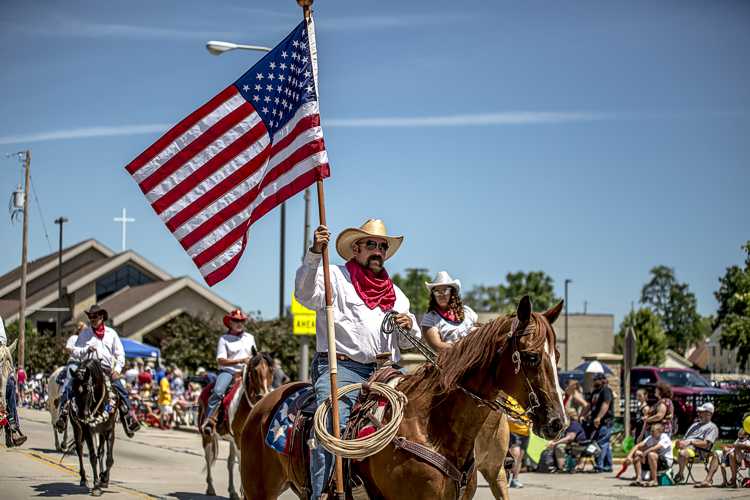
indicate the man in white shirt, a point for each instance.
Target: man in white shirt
{"x":102,"y":342}
{"x":656,"y":451}
{"x":233,"y":351}
{"x":362,"y":295}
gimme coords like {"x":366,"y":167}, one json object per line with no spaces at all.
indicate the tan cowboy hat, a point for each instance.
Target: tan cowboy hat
{"x":96,"y":310}
{"x":444,"y":279}
{"x":371,"y":228}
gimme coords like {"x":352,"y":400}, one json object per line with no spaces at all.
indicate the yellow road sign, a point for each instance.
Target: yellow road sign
{"x":304,"y":319}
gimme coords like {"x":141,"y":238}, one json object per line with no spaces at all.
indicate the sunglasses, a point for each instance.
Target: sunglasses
{"x":372,"y":245}
{"x":445,"y":291}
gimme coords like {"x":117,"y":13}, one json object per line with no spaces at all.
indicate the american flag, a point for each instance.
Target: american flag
{"x":254,"y":145}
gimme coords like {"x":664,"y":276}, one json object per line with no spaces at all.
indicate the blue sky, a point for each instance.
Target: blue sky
{"x":591,"y":140}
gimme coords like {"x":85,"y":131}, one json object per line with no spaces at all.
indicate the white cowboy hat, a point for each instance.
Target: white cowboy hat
{"x":372,"y":228}
{"x":444,"y":279}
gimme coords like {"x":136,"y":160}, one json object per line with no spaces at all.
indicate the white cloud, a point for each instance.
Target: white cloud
{"x":83,"y":133}
{"x":479,"y":119}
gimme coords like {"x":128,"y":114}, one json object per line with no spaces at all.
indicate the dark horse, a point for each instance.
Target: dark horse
{"x":514,"y":354}
{"x":94,"y":415}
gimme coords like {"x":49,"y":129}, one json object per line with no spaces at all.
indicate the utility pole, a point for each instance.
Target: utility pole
{"x":24,"y":259}
{"x":60,"y":221}
{"x":567,"y":339}
{"x":304,"y":346}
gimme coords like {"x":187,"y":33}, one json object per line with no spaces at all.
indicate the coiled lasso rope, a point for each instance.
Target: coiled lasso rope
{"x":366,"y":446}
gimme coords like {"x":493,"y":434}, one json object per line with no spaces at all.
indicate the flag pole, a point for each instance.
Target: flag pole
{"x":332,"y":365}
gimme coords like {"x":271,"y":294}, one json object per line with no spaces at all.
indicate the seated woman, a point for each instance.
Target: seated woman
{"x":574,"y":434}
{"x":448,"y":319}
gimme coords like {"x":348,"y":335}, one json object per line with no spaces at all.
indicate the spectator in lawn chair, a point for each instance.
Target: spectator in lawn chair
{"x":734,"y":456}
{"x":698,"y":441}
{"x":656,"y":452}
{"x":573,"y":434}
{"x":601,"y":418}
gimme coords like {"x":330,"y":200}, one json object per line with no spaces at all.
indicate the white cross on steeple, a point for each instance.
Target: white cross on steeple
{"x":124,"y":219}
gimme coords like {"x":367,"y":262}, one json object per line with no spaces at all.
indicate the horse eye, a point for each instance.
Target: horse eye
{"x":531,"y":359}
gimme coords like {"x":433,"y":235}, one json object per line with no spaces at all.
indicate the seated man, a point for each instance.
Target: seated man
{"x":573,"y":434}
{"x":699,"y":439}
{"x":730,"y":455}
{"x":656,"y":451}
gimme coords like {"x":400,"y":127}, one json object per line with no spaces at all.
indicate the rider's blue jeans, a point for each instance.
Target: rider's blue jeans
{"x":67,"y":384}
{"x":11,"y":402}
{"x":121,"y":393}
{"x":349,"y":372}
{"x":223,"y":382}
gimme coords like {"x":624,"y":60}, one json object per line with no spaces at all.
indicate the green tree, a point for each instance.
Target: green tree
{"x":413,"y":286}
{"x":42,"y":353}
{"x":734,"y":309}
{"x":650,"y":335}
{"x":675,"y":305}
{"x":504,"y":298}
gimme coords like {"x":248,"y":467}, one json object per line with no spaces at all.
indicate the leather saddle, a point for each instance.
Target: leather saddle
{"x":222,"y":413}
{"x":303,"y":411}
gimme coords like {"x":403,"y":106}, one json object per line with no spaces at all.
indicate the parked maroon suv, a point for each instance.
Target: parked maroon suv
{"x":689,"y":387}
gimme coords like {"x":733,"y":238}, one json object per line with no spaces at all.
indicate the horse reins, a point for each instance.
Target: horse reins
{"x":502,"y":405}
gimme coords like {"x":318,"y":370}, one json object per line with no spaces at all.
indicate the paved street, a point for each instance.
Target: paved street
{"x":159,"y":464}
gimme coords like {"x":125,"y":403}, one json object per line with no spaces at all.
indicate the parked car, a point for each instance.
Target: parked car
{"x":690,"y":389}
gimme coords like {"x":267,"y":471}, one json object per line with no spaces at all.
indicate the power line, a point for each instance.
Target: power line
{"x":41,"y":216}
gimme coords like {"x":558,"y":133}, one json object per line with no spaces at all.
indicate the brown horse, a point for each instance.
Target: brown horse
{"x":256,"y":379}
{"x":513,"y":354}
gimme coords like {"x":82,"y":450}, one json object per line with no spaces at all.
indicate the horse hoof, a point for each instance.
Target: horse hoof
{"x":233,"y":495}
{"x":83,"y":483}
{"x":104,"y":485}
{"x":211,"y":491}
{"x":96,"y":492}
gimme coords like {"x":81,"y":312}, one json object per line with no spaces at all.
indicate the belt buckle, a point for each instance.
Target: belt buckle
{"x":383,"y":359}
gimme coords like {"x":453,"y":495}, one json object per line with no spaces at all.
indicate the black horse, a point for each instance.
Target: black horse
{"x":94,"y":414}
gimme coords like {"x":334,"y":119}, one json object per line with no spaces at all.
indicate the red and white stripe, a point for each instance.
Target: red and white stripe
{"x":216,"y":172}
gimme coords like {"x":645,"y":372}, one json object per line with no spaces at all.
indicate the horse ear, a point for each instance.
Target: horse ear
{"x":12,"y":347}
{"x":553,"y":312}
{"x":253,"y":351}
{"x":523,"y":312}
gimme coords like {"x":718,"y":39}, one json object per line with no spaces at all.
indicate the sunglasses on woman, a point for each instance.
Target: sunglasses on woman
{"x":372,"y":245}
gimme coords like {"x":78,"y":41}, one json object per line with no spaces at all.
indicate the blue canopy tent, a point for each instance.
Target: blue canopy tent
{"x":135,"y":349}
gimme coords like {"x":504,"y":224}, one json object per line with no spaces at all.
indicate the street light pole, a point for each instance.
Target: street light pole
{"x":567,"y":339}
{"x":24,"y":260}
{"x":60,"y":221}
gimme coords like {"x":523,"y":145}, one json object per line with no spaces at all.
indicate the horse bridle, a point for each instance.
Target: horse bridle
{"x":501,"y":404}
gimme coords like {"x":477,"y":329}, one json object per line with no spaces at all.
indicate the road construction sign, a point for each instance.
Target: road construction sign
{"x":303,"y":319}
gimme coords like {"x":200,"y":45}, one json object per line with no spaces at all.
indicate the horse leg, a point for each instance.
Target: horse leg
{"x":78,"y":437}
{"x":110,"y":457}
{"x":230,"y":467}
{"x":96,"y":490}
{"x":210,"y":451}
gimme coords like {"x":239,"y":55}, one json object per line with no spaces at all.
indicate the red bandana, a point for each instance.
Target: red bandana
{"x":447,"y":315}
{"x":375,"y":291}
{"x":99,"y":331}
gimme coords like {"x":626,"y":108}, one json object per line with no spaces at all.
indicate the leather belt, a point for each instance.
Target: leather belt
{"x":343,"y":357}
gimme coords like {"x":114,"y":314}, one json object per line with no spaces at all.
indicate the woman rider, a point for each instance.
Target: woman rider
{"x":448,"y":319}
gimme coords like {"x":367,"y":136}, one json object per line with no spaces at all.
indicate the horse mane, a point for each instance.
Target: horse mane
{"x":6,"y":361}
{"x":261,"y":356}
